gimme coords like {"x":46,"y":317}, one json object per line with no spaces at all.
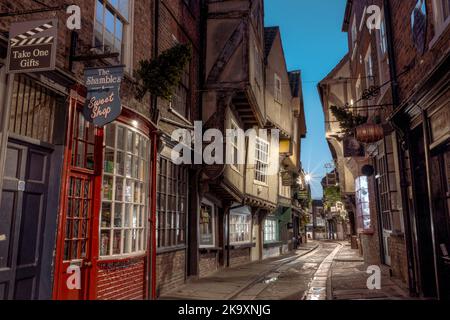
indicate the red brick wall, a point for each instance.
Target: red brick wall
{"x":209,"y":263}
{"x":121,"y":280}
{"x":170,"y":271}
{"x":239,"y":257}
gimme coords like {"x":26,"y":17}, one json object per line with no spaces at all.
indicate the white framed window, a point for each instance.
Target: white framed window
{"x":383,"y":36}
{"x":277,"y":89}
{"x":207,"y":224}
{"x":240,"y":228}
{"x":112,"y":28}
{"x":261,"y":160}
{"x":369,"y":68}
{"x":363,"y":204}
{"x":441,"y":10}
{"x":171,"y":204}
{"x":124,"y":211}
{"x":285,"y":191}
{"x":270,"y":230}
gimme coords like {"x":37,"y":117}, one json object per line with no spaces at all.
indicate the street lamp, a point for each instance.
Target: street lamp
{"x":308,"y":178}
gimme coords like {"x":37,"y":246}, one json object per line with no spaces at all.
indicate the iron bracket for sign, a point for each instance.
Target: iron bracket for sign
{"x":32,"y":11}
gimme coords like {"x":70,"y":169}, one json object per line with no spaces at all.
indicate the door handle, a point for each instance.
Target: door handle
{"x":87,"y":264}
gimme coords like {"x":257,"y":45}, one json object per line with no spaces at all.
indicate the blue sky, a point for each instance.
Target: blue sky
{"x":314,"y":43}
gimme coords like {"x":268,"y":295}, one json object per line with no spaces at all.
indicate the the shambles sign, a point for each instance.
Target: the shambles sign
{"x":103,"y":94}
{"x":32,"y":46}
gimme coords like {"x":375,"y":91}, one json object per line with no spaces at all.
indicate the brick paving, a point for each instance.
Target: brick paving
{"x":228,"y":284}
{"x":348,"y":280}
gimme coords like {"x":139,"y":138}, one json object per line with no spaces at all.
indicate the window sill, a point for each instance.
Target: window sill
{"x":209,"y":249}
{"x":171,"y":249}
{"x":179,"y":116}
{"x":241,"y":246}
{"x":259,"y":183}
{"x":273,"y":244}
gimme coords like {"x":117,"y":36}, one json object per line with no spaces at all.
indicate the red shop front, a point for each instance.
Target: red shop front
{"x":107,"y":205}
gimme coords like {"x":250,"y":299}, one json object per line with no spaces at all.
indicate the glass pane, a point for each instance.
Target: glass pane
{"x":109,"y":161}
{"x":90,"y":157}
{"x":120,"y":163}
{"x":120,"y":138}
{"x":106,"y":215}
{"x":128,"y":209}
{"x":129,"y":191}
{"x":109,"y":29}
{"x":116,"y":242}
{"x":129,"y":166}
{"x":118,"y":215}
{"x":135,"y":216}
{"x":110,"y":135}
{"x":127,"y":242}
{"x":107,"y":188}
{"x":137,"y":192}
{"x":119,"y":189}
{"x":130,"y":141}
{"x":104,"y":242}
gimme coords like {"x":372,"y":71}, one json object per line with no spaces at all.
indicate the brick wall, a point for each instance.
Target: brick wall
{"x":170,"y":271}
{"x":142,"y":42}
{"x":208,"y":263}
{"x":405,"y":50}
{"x":239,"y":257}
{"x":121,"y":280}
{"x":399,"y":262}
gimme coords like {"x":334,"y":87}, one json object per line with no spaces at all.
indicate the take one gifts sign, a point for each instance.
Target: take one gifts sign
{"x":103,"y":104}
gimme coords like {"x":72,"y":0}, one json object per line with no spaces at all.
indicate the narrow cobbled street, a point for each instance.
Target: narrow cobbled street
{"x":318,"y":271}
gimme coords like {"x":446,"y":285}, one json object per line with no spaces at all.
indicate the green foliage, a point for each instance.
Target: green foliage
{"x":347,"y":120}
{"x":161,"y":76}
{"x":331,"y":195}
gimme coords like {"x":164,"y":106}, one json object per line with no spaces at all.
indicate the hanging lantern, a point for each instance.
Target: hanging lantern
{"x":369,"y":133}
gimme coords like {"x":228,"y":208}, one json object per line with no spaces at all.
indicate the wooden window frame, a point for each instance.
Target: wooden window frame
{"x":208,"y":203}
{"x":261,"y":165}
{"x":163,"y":227}
{"x":247,"y":225}
{"x":143,"y":158}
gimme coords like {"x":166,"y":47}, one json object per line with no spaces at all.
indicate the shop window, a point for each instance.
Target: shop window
{"x":171,"y":203}
{"x":240,"y":228}
{"x":285,"y":191}
{"x":33,"y":110}
{"x":112,"y":25}
{"x":270,"y":230}
{"x":262,"y":160}
{"x":207,"y":225}
{"x":363,"y":204}
{"x":125,"y":192}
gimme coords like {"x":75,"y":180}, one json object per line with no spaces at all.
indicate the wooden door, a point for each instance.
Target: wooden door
{"x":22,"y":217}
{"x":77,"y":248}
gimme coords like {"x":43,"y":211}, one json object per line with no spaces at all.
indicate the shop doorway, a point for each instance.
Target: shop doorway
{"x":22,"y":216}
{"x":440,"y":177}
{"x":423,"y":224}
{"x":77,"y":248}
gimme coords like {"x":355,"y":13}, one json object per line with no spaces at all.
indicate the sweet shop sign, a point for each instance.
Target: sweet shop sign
{"x":103,"y":103}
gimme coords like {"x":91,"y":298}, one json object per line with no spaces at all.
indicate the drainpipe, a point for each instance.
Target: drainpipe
{"x":403,"y":181}
{"x":153,"y":247}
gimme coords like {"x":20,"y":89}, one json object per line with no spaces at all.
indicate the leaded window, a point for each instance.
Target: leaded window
{"x":125,"y":203}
